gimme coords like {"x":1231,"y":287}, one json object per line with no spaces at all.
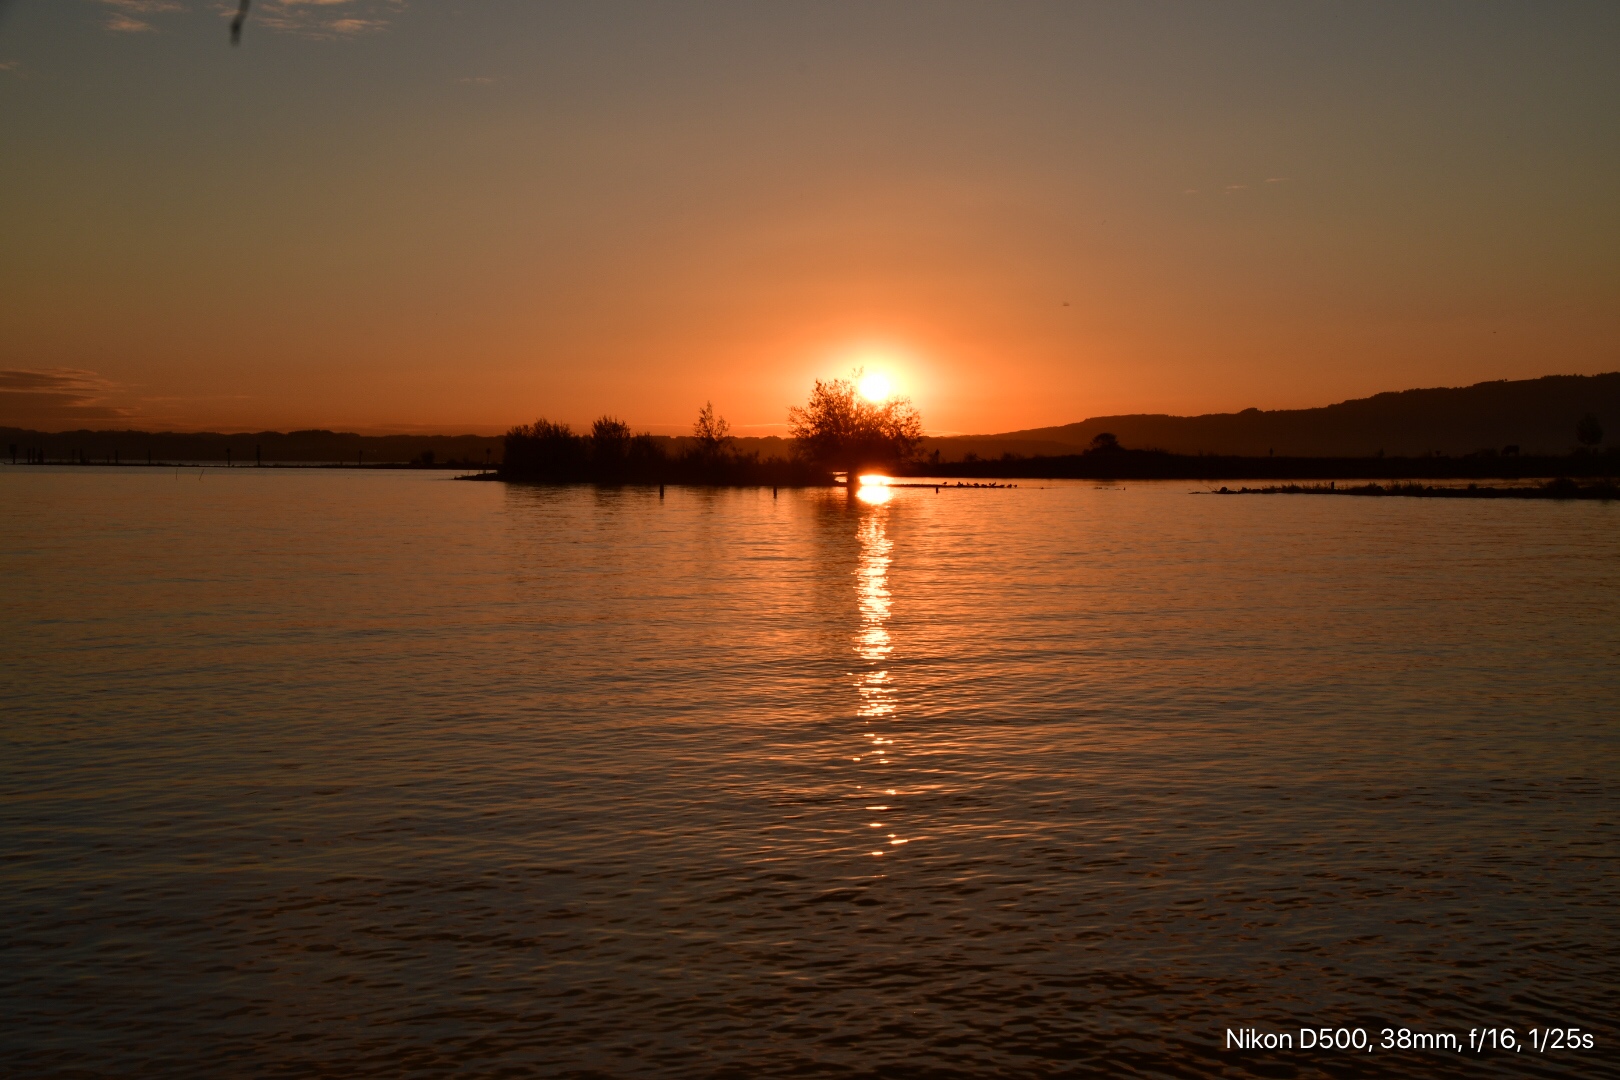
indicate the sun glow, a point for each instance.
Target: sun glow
{"x":874,"y":489}
{"x":875,"y":386}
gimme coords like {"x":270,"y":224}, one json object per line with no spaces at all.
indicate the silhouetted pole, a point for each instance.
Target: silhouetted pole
{"x":660,"y":491}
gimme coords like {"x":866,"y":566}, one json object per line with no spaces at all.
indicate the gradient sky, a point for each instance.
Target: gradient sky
{"x":456,"y":215}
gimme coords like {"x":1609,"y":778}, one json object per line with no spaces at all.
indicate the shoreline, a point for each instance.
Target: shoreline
{"x":1561,"y":488}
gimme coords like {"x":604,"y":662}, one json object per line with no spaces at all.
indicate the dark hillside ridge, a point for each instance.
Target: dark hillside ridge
{"x":1539,"y":416}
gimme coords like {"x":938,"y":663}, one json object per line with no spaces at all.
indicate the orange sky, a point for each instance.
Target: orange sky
{"x":376,"y":215}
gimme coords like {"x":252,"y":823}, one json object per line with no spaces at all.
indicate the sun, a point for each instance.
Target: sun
{"x":875,"y":386}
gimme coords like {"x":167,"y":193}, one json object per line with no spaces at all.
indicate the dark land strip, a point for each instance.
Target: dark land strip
{"x":1562,"y":488}
{"x":1125,"y":464}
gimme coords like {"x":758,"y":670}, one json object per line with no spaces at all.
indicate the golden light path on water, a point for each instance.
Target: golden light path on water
{"x":873,"y":644}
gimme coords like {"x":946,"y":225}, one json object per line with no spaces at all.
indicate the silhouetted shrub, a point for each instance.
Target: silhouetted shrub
{"x":545,"y":451}
{"x":552,"y":453}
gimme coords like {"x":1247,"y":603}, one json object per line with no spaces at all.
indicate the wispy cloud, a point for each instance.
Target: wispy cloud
{"x":145,"y":7}
{"x":131,"y":16}
{"x":319,"y":18}
{"x":52,"y":395}
{"x":355,"y":26}
{"x":1277,"y":179}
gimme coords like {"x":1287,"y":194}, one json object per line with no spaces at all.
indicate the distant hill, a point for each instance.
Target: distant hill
{"x":1536,"y":415}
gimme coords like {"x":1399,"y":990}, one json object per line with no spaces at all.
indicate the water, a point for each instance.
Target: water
{"x":326,"y":773}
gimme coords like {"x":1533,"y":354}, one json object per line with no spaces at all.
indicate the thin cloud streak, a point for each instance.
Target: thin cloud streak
{"x":319,"y":19}
{"x":128,"y":16}
{"x":33,"y":396}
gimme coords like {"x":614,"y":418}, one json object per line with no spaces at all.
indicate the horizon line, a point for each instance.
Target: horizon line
{"x":436,"y":431}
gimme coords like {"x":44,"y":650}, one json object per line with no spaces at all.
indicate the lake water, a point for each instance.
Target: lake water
{"x":382,"y":774}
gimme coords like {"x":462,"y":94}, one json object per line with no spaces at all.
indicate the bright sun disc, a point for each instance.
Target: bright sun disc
{"x":874,"y":489}
{"x":875,"y":387}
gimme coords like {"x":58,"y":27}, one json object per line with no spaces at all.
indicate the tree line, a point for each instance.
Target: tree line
{"x":836,"y":430}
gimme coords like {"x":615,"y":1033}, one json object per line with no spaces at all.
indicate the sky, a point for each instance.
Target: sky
{"x":458,"y":215}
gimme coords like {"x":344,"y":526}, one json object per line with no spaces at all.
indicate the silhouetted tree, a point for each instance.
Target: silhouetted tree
{"x":839,"y":429}
{"x":1104,"y":443}
{"x":712,"y":433}
{"x":645,"y":456}
{"x":545,"y":451}
{"x":610,"y":440}
{"x":1590,"y":430}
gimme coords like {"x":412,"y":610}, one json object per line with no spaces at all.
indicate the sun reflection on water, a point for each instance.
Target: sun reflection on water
{"x":874,"y":489}
{"x":872,"y":642}
{"x":873,"y":646}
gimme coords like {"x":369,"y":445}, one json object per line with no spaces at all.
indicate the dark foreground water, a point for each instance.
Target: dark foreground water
{"x":324,"y":773}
